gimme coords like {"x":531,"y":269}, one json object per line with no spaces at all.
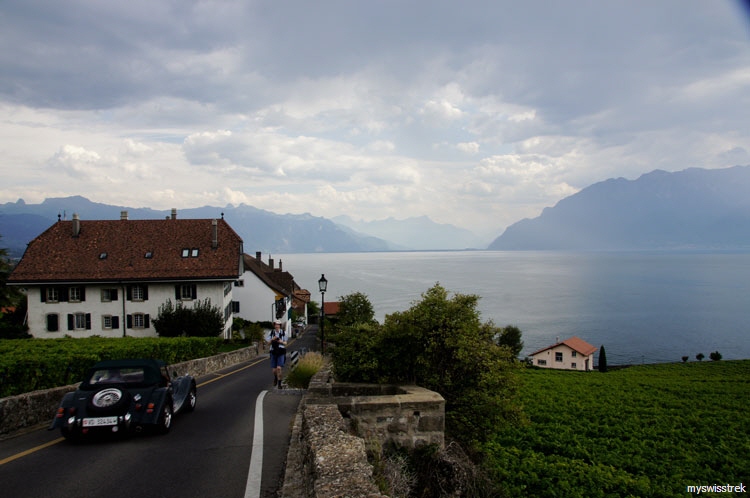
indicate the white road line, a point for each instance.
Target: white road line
{"x":254,"y":474}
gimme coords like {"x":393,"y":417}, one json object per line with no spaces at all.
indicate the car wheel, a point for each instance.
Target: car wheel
{"x":70,"y":436}
{"x":165,"y":418}
{"x":191,"y":400}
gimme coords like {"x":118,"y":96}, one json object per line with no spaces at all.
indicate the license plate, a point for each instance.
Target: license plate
{"x":99,"y":421}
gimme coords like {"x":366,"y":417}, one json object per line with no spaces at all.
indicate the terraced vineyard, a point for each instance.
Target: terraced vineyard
{"x":643,"y":431}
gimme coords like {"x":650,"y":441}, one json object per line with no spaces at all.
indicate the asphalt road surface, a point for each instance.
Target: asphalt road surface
{"x":207,"y":453}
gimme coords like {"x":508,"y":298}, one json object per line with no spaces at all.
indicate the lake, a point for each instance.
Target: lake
{"x":644,"y":307}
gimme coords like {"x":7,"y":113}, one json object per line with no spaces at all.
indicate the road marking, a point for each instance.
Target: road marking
{"x":255,"y":472}
{"x":30,"y":451}
{"x":221,"y":376}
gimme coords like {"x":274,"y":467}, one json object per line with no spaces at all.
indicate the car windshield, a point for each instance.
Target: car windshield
{"x":130,"y":373}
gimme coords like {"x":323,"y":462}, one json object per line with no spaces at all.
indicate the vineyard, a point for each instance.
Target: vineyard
{"x":645,"y":431}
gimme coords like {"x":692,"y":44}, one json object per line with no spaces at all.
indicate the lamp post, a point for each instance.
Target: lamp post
{"x":322,"y":286}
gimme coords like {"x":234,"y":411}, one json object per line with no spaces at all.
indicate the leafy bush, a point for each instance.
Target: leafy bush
{"x":202,"y":320}
{"x":308,"y":366}
{"x":32,"y":364}
{"x":441,"y":344}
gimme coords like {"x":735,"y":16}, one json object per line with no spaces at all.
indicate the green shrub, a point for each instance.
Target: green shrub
{"x":308,"y":366}
{"x":32,"y":364}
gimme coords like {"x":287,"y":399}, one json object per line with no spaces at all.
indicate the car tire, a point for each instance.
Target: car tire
{"x":192,"y":399}
{"x":165,"y":417}
{"x":70,"y":436}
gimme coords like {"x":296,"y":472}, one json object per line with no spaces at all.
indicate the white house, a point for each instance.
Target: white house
{"x":570,"y":354}
{"x":109,"y":277}
{"x":266,"y":292}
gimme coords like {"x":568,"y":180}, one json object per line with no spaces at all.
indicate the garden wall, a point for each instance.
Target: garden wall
{"x":327,"y":452}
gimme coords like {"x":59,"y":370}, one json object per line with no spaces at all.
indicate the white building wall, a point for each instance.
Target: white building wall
{"x":568,"y":359}
{"x":256,"y":299}
{"x":158,"y":294}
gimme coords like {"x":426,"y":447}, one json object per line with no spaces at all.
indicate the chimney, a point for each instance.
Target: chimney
{"x":270,"y":261}
{"x":214,"y":234}
{"x":174,"y":213}
{"x":76,"y":225}
{"x":257,"y":256}
{"x":281,"y":265}
{"x":123,"y":215}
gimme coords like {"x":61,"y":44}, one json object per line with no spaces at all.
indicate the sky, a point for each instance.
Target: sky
{"x":474,"y":113}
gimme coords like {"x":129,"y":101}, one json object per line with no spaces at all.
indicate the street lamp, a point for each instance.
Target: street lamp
{"x":322,"y":286}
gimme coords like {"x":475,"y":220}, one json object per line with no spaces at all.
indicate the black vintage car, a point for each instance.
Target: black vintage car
{"x":125,"y":396}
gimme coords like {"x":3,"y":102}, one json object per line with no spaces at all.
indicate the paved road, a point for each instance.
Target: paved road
{"x":206,"y":454}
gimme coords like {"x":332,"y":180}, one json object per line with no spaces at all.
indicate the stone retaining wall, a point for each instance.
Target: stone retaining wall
{"x":29,"y":410}
{"x":327,"y":455}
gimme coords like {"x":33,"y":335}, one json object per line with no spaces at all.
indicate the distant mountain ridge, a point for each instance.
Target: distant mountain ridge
{"x":261,"y":230}
{"x":416,"y":233}
{"x":690,"y":209}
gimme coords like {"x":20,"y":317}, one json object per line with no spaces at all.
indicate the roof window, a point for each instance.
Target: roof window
{"x":103,"y":255}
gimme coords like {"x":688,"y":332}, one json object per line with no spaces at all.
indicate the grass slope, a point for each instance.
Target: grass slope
{"x":643,"y":431}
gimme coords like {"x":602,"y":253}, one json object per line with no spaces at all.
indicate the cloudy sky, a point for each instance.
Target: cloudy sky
{"x":476,"y":113}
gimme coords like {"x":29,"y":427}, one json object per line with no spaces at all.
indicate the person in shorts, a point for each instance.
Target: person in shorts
{"x":277,"y":342}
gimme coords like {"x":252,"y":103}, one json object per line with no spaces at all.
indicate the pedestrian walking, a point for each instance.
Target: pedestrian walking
{"x":277,"y":341}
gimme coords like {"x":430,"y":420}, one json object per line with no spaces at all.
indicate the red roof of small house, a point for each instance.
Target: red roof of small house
{"x":331,"y":308}
{"x":126,"y":250}
{"x":575,"y":343}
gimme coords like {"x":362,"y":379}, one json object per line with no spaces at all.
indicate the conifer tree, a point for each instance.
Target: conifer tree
{"x":602,"y":359}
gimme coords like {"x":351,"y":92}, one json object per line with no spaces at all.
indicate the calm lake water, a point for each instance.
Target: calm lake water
{"x":643,"y":307}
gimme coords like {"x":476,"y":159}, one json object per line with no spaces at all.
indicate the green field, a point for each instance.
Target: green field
{"x":642,"y":431}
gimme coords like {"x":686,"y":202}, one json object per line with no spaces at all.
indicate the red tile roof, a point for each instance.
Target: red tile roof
{"x":331,"y":308}
{"x":116,"y":250}
{"x":575,"y":343}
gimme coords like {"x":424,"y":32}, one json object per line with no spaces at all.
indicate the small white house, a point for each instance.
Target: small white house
{"x":261,"y":287}
{"x":570,"y":354}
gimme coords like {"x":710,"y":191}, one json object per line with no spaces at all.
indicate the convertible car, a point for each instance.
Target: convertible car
{"x":125,"y":396}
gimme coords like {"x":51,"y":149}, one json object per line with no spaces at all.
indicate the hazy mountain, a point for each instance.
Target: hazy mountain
{"x":694,"y":208}
{"x":261,"y":230}
{"x":419,"y":233}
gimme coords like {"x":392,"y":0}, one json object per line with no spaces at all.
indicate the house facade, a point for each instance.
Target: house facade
{"x":570,"y":354}
{"x":110,"y":277}
{"x":265,"y":292}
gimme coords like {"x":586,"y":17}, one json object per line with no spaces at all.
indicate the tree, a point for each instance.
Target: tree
{"x":440,"y":343}
{"x":602,"y":359}
{"x":700,"y":356}
{"x":9,"y":296}
{"x":715,"y":356}
{"x":12,"y":304}
{"x":355,"y":308}
{"x":202,"y":320}
{"x":510,"y":336}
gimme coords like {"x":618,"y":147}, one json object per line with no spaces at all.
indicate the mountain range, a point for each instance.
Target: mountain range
{"x":690,"y":209}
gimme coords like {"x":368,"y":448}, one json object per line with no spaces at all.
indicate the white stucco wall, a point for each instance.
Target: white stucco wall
{"x":256,"y":299}
{"x":158,"y":294}
{"x":571,"y":360}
